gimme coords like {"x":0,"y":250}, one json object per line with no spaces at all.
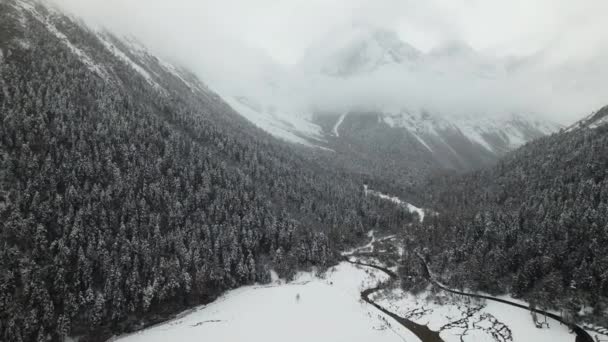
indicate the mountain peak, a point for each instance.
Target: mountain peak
{"x":453,"y":48}
{"x":360,"y":50}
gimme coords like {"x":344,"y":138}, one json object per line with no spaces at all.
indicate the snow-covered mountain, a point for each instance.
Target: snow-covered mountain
{"x":125,"y":50}
{"x":441,"y":140}
{"x":377,"y":101}
{"x":363,"y":50}
{"x":111,"y":157}
{"x":358,"y":50}
{"x":455,"y":57}
{"x":408,"y":145}
{"x":496,"y":135}
{"x":282,"y":121}
{"x":594,"y":120}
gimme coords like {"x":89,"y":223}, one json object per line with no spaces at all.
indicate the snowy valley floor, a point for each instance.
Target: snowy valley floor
{"x":462,"y":319}
{"x":328,"y":307}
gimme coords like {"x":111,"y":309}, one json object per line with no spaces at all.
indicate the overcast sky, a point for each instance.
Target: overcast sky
{"x":566,"y":34}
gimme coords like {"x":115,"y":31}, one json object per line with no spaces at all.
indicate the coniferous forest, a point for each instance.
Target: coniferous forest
{"x":123,"y":201}
{"x":535,"y":225}
{"x":129,"y":191}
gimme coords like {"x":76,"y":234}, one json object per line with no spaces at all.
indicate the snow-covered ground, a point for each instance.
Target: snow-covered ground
{"x":338,"y":123}
{"x":591,"y":121}
{"x":291,"y":128}
{"x":397,"y":200}
{"x":328,"y":309}
{"x":369,"y":247}
{"x":513,"y":129}
{"x":598,"y":332}
{"x":474,"y":320}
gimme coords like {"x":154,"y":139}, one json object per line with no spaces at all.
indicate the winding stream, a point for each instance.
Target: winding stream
{"x":581,"y":334}
{"x":421,"y":331}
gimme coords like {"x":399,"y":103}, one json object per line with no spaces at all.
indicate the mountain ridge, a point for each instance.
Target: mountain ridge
{"x":456,"y":139}
{"x":130,"y":192}
{"x":593,"y":120}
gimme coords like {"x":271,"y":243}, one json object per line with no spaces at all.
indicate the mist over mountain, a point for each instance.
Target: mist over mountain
{"x":130,"y":191}
{"x":375,"y":188}
{"x":197,"y":170}
{"x":356,"y":51}
{"x":371,"y":97}
{"x":557,"y":80}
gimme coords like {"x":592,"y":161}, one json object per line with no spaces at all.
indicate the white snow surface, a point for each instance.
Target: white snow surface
{"x":510,"y":127}
{"x":412,"y":208}
{"x":599,"y":122}
{"x":328,"y":309}
{"x":369,"y":247}
{"x":422,"y":142}
{"x":338,"y":123}
{"x":586,"y":122}
{"x":598,"y":332}
{"x":196,"y":86}
{"x":139,"y":50}
{"x":123,"y":57}
{"x":291,"y":128}
{"x":438,"y":311}
{"x":523,"y":327}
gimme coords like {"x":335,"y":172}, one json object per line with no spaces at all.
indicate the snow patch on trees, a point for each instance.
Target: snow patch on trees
{"x":84,"y":58}
{"x":599,"y":122}
{"x":511,"y":130}
{"x":288,"y":128}
{"x":123,"y":57}
{"x":175,"y":72}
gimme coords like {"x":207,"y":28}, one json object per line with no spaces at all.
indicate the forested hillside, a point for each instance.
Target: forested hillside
{"x":535,"y":225}
{"x":129,"y":191}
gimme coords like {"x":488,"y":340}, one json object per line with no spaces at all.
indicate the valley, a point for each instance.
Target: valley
{"x":192,"y":188}
{"x":435,"y":314}
{"x":384,"y":313}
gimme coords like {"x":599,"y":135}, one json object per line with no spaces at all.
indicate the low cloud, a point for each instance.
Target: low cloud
{"x":554,"y":51}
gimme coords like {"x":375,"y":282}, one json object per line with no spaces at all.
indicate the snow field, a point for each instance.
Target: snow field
{"x":478,"y":320}
{"x":328,"y":309}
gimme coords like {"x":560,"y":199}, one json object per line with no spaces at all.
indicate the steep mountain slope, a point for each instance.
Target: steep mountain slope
{"x":535,"y":225}
{"x":495,"y":135}
{"x":407,"y":146}
{"x":282,"y":121}
{"x":375,"y":131}
{"x":443,"y":139}
{"x":596,"y":119}
{"x":129,"y":191}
